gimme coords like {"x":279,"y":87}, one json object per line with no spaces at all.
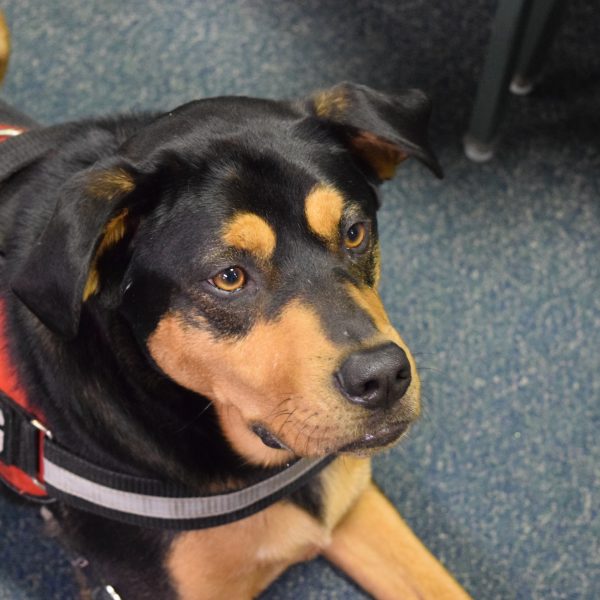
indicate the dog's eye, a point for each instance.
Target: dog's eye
{"x":355,"y":236}
{"x":231,"y":279}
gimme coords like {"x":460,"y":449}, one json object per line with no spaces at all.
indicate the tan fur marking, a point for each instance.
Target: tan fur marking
{"x":381,"y":155}
{"x":330,"y":103}
{"x":4,"y":46}
{"x":279,"y":374}
{"x":110,"y":184}
{"x":368,"y":299}
{"x":249,"y":232}
{"x":343,"y":482}
{"x":362,"y":534}
{"x":323,"y":208}
{"x":377,"y":261}
{"x":241,"y":559}
{"x":375,"y":547}
{"x":113,"y":232}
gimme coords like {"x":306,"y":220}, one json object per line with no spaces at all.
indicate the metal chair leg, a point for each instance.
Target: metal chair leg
{"x":492,"y":93}
{"x":543,"y":22}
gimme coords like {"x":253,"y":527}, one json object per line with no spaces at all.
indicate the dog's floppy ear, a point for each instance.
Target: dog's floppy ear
{"x":379,"y":129}
{"x":91,"y":216}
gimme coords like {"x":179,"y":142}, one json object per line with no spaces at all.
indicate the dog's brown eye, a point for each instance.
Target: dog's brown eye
{"x":355,"y":236}
{"x":231,"y":279}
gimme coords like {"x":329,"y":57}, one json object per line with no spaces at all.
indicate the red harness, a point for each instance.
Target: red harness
{"x":9,"y":385}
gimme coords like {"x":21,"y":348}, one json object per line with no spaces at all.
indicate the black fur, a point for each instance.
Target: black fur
{"x":85,"y":365}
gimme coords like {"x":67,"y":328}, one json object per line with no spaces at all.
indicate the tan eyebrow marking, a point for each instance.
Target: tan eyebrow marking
{"x":247,"y":231}
{"x":323,"y":208}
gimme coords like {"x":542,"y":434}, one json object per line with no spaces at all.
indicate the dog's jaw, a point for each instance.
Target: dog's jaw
{"x":245,"y":441}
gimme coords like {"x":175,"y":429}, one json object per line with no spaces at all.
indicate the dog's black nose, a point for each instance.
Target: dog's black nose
{"x":376,"y":377}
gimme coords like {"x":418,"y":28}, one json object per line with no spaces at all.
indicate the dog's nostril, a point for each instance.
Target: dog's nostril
{"x":402,"y":374}
{"x":371,"y":386}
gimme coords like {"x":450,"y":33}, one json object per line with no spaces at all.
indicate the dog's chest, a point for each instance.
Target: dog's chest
{"x":241,"y":559}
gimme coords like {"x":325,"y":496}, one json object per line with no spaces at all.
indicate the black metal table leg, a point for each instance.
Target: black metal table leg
{"x":505,"y":43}
{"x":543,"y":22}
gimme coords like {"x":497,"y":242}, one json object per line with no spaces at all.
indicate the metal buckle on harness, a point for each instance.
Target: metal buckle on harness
{"x":41,"y":428}
{"x":20,"y":439}
{"x":47,"y":433}
{"x":2,"y":422}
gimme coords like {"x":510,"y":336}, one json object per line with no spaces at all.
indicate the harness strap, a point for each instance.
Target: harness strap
{"x":155,"y":503}
{"x":21,"y":148}
{"x":147,"y":502}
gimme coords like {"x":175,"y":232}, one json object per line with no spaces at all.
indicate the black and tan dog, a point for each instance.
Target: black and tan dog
{"x":192,"y":296}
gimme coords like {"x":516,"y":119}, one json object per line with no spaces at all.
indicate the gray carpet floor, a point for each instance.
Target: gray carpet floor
{"x":492,"y":275}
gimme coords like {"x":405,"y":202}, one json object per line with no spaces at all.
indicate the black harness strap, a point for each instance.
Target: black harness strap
{"x":9,"y":114}
{"x":22,"y":150}
{"x":132,"y":499}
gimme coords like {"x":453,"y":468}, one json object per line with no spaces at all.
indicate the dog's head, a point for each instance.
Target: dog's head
{"x":238,"y":238}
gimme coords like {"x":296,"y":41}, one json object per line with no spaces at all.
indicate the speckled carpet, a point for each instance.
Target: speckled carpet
{"x":492,"y":275}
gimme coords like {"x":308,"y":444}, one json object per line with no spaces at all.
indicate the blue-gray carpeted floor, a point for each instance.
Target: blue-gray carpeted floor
{"x":493,"y":275}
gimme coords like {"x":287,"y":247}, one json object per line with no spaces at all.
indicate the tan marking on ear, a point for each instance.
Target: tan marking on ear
{"x":110,"y":184}
{"x":323,"y":208}
{"x":330,"y":103}
{"x":241,"y":559}
{"x":92,"y":285}
{"x":113,"y":232}
{"x":383,"y":156}
{"x":249,"y":232}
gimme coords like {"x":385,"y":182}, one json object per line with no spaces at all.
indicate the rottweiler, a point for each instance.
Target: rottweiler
{"x":192,"y":297}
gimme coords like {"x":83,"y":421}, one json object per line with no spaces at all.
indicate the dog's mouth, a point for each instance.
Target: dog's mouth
{"x":268,"y":438}
{"x":383,"y":437}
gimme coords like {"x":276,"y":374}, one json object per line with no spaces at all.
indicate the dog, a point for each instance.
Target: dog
{"x":192,"y":297}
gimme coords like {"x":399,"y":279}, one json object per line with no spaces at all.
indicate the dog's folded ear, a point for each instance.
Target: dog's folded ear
{"x":381,"y":130}
{"x":92,"y":215}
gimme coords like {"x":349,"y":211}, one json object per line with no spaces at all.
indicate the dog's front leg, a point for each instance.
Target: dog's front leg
{"x":375,"y":547}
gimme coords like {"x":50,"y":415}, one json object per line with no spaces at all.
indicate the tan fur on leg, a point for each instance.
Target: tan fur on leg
{"x":377,"y":549}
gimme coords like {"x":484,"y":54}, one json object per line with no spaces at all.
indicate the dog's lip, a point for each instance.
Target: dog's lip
{"x":268,"y":438}
{"x":383,"y":437}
